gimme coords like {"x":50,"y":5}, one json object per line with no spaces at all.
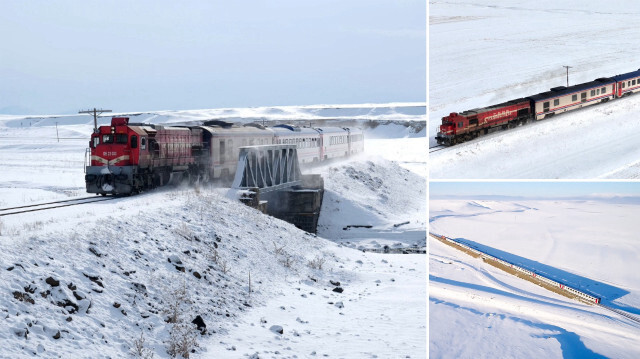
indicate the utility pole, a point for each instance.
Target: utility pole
{"x":95,"y":113}
{"x":58,"y":136}
{"x":567,"y":67}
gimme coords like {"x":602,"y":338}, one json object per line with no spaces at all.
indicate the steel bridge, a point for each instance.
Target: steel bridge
{"x":268,"y":167}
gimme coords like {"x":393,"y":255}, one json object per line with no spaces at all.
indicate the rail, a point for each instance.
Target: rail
{"x":52,"y":205}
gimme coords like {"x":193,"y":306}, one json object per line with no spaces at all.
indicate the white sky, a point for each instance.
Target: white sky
{"x":64,"y":56}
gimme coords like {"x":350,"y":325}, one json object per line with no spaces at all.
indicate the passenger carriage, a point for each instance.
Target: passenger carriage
{"x":562,"y":99}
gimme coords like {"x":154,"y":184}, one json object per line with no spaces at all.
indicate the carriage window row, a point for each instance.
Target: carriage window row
{"x":336,"y":140}
{"x":356,"y":138}
{"x":300,"y":142}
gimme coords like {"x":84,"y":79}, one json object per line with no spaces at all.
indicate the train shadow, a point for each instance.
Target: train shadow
{"x":607,"y":292}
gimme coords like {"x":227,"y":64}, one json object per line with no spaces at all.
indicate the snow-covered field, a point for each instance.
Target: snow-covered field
{"x":92,"y":280}
{"x":483,"y":53}
{"x":476,"y":310}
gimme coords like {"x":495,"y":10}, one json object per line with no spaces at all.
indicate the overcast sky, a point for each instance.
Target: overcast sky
{"x":64,"y":56}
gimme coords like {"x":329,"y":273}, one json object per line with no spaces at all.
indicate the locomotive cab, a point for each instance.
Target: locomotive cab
{"x":449,"y":128}
{"x":114,"y":151}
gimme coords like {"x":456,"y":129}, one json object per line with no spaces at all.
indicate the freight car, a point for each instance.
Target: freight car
{"x":461,"y":127}
{"x":128,"y":157}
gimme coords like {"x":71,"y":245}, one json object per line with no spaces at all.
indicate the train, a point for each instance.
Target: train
{"x":126,"y":158}
{"x":576,"y":293}
{"x":464,"y":126}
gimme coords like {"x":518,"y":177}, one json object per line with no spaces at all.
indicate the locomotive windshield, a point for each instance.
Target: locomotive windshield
{"x":121,"y":138}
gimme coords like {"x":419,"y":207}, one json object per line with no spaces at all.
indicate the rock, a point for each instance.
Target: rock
{"x":339,"y":305}
{"x":95,"y":252}
{"x":197,"y":275}
{"x":139,"y":287}
{"x":338,"y":289}
{"x":68,"y":305}
{"x":96,"y":279}
{"x":23,"y":297}
{"x":199,"y":322}
{"x":52,"y":282}
{"x":277,"y":329}
{"x":174,"y":259}
{"x":336,"y":283}
{"x":57,"y":335}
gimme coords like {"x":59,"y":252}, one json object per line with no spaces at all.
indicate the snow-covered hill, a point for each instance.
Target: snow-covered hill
{"x":484,"y":54}
{"x":97,"y":280}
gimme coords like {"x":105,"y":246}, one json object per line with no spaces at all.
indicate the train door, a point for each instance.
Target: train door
{"x":618,"y":89}
{"x":322,"y":149}
{"x":222,"y":151}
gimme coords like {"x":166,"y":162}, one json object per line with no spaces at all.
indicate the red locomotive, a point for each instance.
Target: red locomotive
{"x":460,"y":127}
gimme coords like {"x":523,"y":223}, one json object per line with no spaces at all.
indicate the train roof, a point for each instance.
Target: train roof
{"x":288,"y":129}
{"x":236,"y":130}
{"x":493,"y":107}
{"x":563,"y":90}
{"x":628,"y":75}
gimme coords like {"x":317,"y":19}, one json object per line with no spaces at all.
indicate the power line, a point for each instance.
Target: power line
{"x":95,"y":113}
{"x":567,"y":67}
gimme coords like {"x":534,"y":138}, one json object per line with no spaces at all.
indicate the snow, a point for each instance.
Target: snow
{"x":590,"y":244}
{"x":106,"y":276}
{"x":483,"y":54}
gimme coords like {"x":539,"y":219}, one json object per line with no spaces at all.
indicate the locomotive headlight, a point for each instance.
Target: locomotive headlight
{"x":113,"y":129}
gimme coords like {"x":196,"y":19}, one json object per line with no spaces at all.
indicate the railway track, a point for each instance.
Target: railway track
{"x":437,"y":148}
{"x":52,"y":205}
{"x":621,"y":312}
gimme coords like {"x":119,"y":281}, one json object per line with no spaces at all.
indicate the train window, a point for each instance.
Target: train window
{"x":623,"y":85}
{"x":603,"y":90}
{"x":96,"y":141}
{"x":545,"y":106}
{"x":121,"y":138}
{"x":633,"y":82}
{"x":583,"y":97}
{"x":230,"y":146}
{"x":593,"y":92}
{"x":556,"y":102}
{"x":574,"y":98}
{"x":459,"y":124}
{"x":628,"y":83}
{"x":143,"y":143}
{"x":134,"y":141}
{"x":222,"y":148}
{"x":107,"y":138}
